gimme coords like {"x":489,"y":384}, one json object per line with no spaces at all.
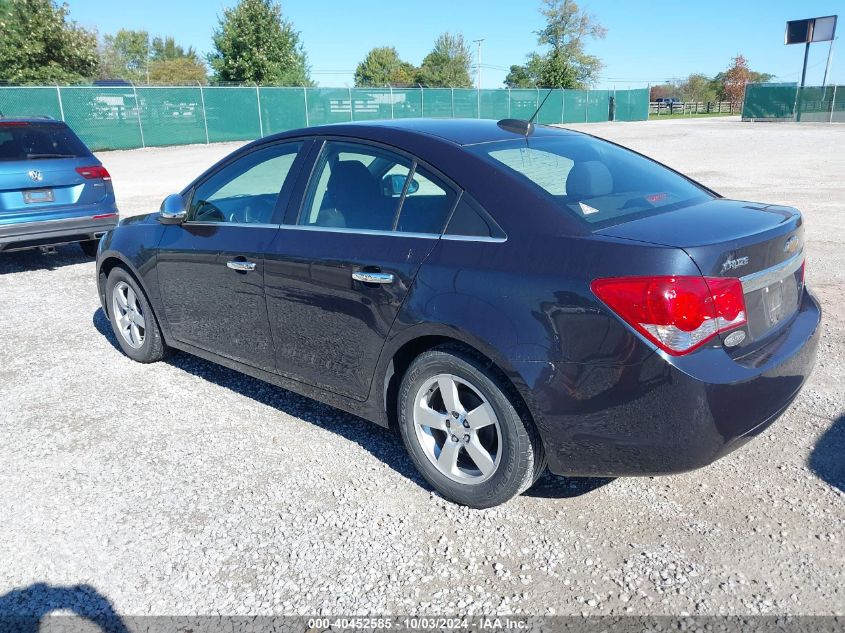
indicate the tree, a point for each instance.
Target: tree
{"x":447,"y":65}
{"x":182,"y":70}
{"x":697,"y":87}
{"x":734,"y":80}
{"x":253,"y":43}
{"x":38,"y":44}
{"x":125,"y":55}
{"x":567,"y":26}
{"x":382,"y":66}
{"x":167,"y":49}
{"x":566,"y":64}
{"x":526,"y":75}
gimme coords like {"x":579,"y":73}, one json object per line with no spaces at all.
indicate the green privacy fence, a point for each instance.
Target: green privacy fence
{"x":788,"y":102}
{"x":127,"y":117}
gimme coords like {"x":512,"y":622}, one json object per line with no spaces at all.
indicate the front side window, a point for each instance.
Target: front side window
{"x":596,"y":181}
{"x":246,"y":190}
{"x":368,"y":188}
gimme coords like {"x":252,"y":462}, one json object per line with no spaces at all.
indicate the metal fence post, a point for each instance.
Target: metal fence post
{"x":204,"y":114}
{"x":392,"y":114}
{"x":832,"y":102}
{"x":586,"y":106}
{"x":62,"y":108}
{"x":305,"y":96}
{"x":509,"y":102}
{"x":422,"y":102}
{"x":562,"y":103}
{"x":453,"y":102}
{"x":138,"y":111}
{"x":351,"y":107}
{"x":260,"y":120}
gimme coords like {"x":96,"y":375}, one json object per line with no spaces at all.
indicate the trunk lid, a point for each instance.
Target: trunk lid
{"x":763,"y":245}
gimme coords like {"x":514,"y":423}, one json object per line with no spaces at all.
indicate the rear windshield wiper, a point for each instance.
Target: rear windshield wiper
{"x":31,"y":156}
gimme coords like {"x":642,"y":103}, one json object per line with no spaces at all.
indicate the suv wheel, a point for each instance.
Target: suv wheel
{"x":132,"y":319}
{"x":464,"y":432}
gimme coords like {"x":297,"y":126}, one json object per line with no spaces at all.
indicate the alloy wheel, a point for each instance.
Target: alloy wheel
{"x":457,"y":429}
{"x":128,"y":315}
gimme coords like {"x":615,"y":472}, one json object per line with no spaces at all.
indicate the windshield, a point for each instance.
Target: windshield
{"x":20,"y":140}
{"x":596,"y":181}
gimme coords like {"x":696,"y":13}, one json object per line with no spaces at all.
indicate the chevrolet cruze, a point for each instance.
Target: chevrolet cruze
{"x":509,"y":297}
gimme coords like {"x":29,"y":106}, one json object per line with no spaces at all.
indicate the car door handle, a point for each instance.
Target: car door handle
{"x":369,"y":277}
{"x":240,"y":265}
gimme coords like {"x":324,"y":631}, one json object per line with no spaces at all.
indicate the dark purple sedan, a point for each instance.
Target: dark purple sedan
{"x":509,"y":297}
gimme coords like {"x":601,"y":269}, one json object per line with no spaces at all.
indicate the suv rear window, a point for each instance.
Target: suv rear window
{"x":593,"y":180}
{"x":21,"y":140}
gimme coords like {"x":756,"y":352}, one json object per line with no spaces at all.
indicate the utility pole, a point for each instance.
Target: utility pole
{"x":478,"y":78}
{"x":478,"y":63}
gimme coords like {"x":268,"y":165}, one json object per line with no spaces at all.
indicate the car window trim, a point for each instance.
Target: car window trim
{"x":281,"y":199}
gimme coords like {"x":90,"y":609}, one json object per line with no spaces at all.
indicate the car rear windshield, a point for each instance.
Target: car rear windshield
{"x":593,"y":180}
{"x":21,"y":140}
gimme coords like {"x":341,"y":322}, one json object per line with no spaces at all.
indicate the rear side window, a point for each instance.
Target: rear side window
{"x":362,"y":187}
{"x":34,"y":141}
{"x":470,"y":220}
{"x":593,"y":180}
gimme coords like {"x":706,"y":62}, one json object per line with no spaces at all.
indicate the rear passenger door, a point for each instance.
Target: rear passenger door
{"x":339,"y":269}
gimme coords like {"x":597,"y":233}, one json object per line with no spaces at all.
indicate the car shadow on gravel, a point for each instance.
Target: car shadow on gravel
{"x":550,"y":486}
{"x":23,"y":610}
{"x":828,"y":457}
{"x":25,"y":261}
{"x":384,"y":444}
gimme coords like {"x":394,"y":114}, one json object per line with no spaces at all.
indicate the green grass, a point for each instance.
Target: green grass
{"x":700,"y":115}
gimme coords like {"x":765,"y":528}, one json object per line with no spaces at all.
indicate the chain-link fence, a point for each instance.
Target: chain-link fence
{"x":788,"y":102}
{"x":126,"y":117}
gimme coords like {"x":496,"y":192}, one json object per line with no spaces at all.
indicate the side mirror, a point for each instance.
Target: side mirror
{"x":172,"y":210}
{"x":393,"y":184}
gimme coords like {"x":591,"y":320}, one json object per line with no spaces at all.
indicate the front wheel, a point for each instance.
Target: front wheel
{"x":132,"y":319}
{"x":465,"y":431}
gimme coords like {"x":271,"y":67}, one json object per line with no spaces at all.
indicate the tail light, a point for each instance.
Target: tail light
{"x":95,"y":171}
{"x":677,"y":313}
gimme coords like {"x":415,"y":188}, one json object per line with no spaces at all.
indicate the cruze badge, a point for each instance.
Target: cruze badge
{"x":791,"y":245}
{"x":734,"y":263}
{"x":35,"y":175}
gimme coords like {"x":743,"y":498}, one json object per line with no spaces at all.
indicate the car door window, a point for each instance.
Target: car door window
{"x":246,"y":190}
{"x":355,"y":187}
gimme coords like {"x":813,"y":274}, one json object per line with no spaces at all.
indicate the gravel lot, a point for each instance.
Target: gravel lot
{"x":186,"y":488}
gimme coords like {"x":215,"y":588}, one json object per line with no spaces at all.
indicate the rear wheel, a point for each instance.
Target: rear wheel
{"x":132,"y":319}
{"x":464,"y":431}
{"x":89,"y":247}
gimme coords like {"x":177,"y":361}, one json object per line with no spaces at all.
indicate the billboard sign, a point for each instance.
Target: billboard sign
{"x":811,"y":30}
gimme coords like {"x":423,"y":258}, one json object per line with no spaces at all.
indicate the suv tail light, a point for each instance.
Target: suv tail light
{"x":95,"y":171}
{"x":677,"y":313}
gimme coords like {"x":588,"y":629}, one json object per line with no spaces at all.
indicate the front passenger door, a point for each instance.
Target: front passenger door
{"x":211,"y":267}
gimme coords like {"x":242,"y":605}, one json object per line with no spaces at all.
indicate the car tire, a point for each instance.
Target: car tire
{"x":485,"y":450}
{"x":89,"y":247}
{"x":134,"y":325}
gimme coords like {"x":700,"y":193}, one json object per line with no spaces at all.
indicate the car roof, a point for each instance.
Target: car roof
{"x":457,"y":131}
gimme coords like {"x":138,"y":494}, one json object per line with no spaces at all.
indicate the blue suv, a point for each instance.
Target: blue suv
{"x":52,"y":189}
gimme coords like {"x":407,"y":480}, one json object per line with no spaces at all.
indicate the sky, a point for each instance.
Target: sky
{"x":646,"y":43}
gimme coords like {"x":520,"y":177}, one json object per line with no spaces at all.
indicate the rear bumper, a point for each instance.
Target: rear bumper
{"x":25,"y":235}
{"x":666,"y":415}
